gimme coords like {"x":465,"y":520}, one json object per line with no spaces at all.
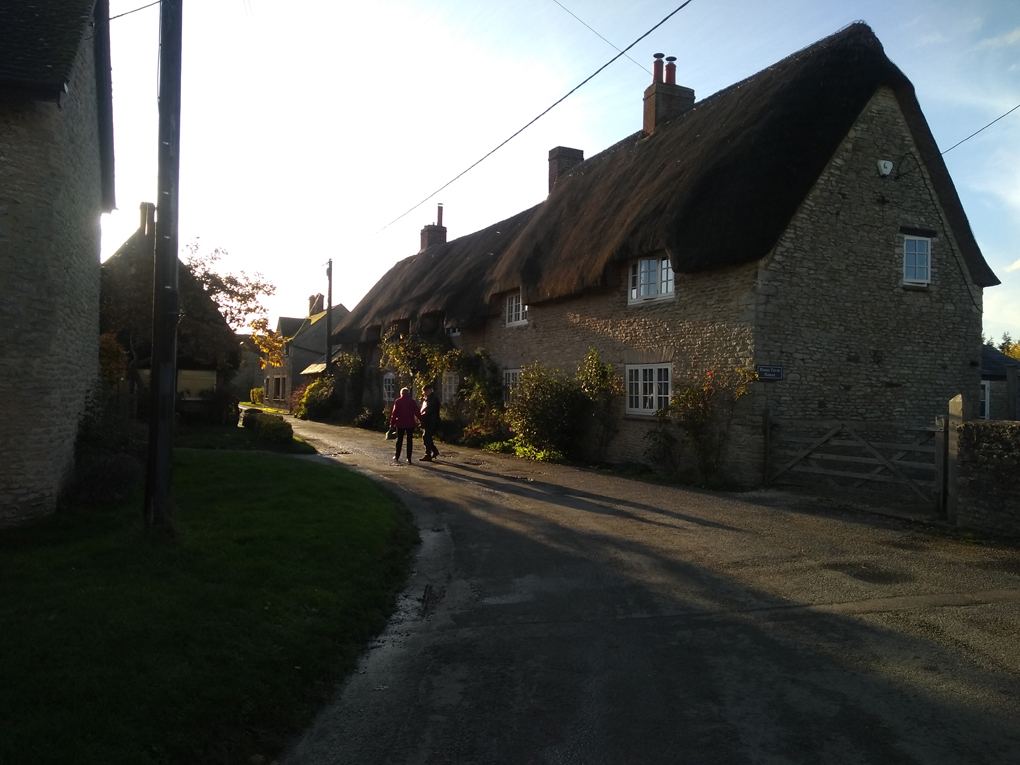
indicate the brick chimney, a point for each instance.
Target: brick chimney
{"x":315,"y":304}
{"x":561,"y":161}
{"x":433,"y":235}
{"x":665,"y":100}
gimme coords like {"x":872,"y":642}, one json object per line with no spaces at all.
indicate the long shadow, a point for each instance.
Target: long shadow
{"x":570,"y":643}
{"x":579,"y":499}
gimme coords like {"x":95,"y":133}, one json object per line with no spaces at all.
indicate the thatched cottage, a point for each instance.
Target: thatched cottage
{"x":801,"y":221}
{"x":56,"y":180}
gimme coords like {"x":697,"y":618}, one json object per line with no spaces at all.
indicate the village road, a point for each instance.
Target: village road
{"x":559,"y":615}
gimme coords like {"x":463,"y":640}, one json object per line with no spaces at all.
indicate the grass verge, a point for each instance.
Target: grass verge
{"x":116,"y":647}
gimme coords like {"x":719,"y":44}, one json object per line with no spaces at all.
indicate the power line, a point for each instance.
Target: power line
{"x":561,"y":5}
{"x":536,"y":119}
{"x":128,"y":13}
{"x":958,"y":143}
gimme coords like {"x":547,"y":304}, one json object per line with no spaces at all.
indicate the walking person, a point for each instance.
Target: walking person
{"x":429,"y":423}
{"x":404,"y":416}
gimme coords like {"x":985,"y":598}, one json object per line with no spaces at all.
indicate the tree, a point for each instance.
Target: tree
{"x":205,"y":336}
{"x":269,"y":342}
{"x":1009,"y":346}
{"x":238,"y":296}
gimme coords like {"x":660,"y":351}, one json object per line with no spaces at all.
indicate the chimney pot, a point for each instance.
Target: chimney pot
{"x":665,"y":100}
{"x":657,"y":68}
{"x":439,"y":215}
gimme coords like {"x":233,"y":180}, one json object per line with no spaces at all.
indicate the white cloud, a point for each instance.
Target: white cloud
{"x":1001,"y":41}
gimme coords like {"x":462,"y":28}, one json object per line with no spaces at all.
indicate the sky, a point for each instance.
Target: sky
{"x":310,"y":129}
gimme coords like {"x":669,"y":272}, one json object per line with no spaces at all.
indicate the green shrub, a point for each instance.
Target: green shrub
{"x":273,"y":429}
{"x":318,"y":400}
{"x":109,"y":454}
{"x":257,"y":395}
{"x":250,"y":417}
{"x":370,"y":419}
{"x":549,"y":413}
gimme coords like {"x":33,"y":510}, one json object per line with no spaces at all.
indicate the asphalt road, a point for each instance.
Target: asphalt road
{"x":559,"y":615}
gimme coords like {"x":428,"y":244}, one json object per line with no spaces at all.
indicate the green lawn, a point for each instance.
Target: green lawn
{"x":116,"y":647}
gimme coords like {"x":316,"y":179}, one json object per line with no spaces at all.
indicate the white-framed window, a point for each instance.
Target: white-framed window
{"x":516,"y":311}
{"x":985,"y":405}
{"x":389,"y":388}
{"x":916,"y":260}
{"x":451,"y":383}
{"x":649,"y":388}
{"x":511,"y":378}
{"x":650,"y":279}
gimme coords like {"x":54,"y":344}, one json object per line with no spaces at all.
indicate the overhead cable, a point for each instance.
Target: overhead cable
{"x":536,"y":119}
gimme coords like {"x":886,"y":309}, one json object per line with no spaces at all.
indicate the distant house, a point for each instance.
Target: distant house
{"x":800,"y":221}
{"x":207,"y":348}
{"x":305,"y":346}
{"x":56,"y":179}
{"x":995,"y":392}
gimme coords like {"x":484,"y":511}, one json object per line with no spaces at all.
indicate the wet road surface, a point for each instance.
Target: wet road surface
{"x":559,"y":615}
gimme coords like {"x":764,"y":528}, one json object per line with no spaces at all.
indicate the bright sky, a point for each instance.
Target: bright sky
{"x":309,"y":126}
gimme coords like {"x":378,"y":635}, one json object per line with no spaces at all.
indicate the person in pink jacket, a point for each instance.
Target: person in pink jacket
{"x":404,"y":416}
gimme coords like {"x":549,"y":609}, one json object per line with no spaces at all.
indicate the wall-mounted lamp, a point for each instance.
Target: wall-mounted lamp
{"x":884,"y":167}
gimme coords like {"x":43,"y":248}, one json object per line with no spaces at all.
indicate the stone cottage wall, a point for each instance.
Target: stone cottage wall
{"x":706,"y":326}
{"x":50,"y":207}
{"x":832,"y":309}
{"x":988,"y":477}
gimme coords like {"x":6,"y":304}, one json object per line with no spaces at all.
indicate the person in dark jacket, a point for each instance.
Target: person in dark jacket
{"x":429,"y":423}
{"x":404,"y":416}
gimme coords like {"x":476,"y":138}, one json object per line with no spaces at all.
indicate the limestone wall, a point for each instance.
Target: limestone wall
{"x":832,"y":307}
{"x":988,"y":477}
{"x":50,"y":207}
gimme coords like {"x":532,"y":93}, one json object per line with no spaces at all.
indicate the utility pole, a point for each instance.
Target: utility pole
{"x":329,"y":319}
{"x":165,"y":297}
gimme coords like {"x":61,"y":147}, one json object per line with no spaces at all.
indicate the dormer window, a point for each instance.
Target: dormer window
{"x":916,"y":260}
{"x":516,"y":311}
{"x":650,"y":279}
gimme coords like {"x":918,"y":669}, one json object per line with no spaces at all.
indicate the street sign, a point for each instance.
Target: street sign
{"x":769,"y":371}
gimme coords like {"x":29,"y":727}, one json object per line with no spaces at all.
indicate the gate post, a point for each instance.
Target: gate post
{"x":766,"y":425}
{"x":941,"y":454}
{"x":960,"y":410}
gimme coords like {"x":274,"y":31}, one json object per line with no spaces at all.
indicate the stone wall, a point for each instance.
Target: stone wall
{"x":988,"y":477}
{"x":50,"y":207}
{"x":703,"y":327}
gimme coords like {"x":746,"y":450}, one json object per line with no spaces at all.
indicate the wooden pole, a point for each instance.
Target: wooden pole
{"x":165,"y":297}
{"x":329,"y":318}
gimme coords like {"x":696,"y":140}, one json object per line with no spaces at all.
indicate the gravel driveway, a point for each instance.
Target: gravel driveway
{"x":560,"y":615}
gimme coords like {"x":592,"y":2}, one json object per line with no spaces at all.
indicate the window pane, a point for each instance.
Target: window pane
{"x":666,"y":277}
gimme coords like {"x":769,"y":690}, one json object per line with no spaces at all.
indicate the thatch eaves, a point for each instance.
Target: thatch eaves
{"x":718,"y":185}
{"x":715,"y":187}
{"x":451,"y":279}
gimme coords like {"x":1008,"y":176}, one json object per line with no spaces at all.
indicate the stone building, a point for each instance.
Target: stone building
{"x":800,"y":222}
{"x":207,"y":348}
{"x":56,"y":179}
{"x":305,"y":345}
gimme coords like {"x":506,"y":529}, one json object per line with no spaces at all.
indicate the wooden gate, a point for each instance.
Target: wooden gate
{"x":853,"y":456}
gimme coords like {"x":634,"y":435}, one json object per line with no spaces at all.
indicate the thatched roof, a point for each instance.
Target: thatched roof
{"x":453,"y":279}
{"x":714,"y":187}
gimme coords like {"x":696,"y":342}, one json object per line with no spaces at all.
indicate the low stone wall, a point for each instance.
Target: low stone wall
{"x":989,"y":477}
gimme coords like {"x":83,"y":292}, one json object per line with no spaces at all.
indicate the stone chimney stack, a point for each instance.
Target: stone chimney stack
{"x":315,"y":304}
{"x":561,"y":161}
{"x":665,"y":100}
{"x":432,"y":235}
